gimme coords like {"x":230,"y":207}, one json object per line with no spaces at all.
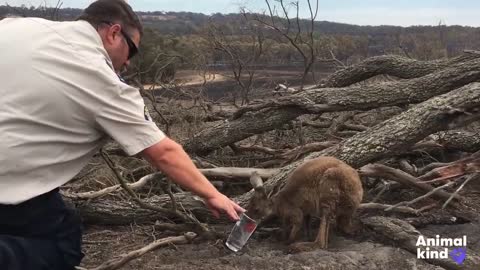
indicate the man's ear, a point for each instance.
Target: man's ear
{"x":111,"y":33}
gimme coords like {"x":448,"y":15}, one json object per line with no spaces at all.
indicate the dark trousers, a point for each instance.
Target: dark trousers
{"x":40,"y":234}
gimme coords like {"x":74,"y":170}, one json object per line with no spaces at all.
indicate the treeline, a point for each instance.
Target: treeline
{"x":425,"y":42}
{"x":184,"y":39}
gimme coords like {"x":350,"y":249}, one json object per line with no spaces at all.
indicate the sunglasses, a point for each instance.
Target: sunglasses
{"x":132,"y":48}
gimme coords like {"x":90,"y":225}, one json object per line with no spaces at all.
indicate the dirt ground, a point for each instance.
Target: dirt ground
{"x":102,"y":244}
{"x":265,"y":251}
{"x":220,"y":84}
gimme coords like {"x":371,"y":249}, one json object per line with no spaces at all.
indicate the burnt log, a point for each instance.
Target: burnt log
{"x":457,"y":140}
{"x":393,"y":65}
{"x":114,"y":212}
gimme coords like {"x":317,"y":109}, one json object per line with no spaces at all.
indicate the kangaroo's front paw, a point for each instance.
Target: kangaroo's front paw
{"x":301,"y":247}
{"x":352,"y":229}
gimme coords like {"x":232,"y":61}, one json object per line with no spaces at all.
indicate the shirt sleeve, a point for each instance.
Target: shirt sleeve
{"x":125,"y":119}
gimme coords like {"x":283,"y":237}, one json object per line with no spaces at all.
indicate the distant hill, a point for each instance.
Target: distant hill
{"x":345,"y":40}
{"x":182,"y":23}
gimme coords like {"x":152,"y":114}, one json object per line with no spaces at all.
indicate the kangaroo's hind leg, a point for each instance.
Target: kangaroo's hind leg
{"x":307,"y":227}
{"x":322,"y":236}
{"x":320,"y":242}
{"x":344,"y":224}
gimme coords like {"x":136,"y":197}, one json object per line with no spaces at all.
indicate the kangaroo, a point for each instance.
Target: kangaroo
{"x":324,"y":187}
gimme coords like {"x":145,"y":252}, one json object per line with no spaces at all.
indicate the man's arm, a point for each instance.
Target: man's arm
{"x":169,"y":157}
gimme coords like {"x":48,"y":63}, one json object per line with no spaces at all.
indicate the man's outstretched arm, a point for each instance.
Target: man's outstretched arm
{"x":169,"y":157}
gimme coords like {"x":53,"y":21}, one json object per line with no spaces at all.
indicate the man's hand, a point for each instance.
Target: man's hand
{"x":222,"y":203}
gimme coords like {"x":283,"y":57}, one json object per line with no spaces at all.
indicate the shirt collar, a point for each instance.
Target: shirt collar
{"x":98,"y":41}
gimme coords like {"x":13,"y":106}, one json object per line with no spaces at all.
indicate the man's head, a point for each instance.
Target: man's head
{"x":118,"y":26}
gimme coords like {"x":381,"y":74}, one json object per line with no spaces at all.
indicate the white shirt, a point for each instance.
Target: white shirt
{"x":59,"y":100}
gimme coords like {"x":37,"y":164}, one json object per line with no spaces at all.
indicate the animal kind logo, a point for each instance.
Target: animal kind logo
{"x":442,"y":248}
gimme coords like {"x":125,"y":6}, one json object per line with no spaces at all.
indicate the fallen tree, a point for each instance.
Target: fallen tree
{"x":393,"y":65}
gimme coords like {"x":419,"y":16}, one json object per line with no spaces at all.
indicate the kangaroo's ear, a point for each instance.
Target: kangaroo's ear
{"x":256,"y":180}
{"x":257,"y":183}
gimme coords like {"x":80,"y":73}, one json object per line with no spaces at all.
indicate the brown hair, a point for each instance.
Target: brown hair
{"x":117,"y":11}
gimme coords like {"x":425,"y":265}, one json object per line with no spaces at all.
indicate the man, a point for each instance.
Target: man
{"x":60,"y":99}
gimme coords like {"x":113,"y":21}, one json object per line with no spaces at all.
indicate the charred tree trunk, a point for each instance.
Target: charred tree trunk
{"x":394,"y":65}
{"x":230,"y":132}
{"x":108,"y":212}
{"x":466,"y":141}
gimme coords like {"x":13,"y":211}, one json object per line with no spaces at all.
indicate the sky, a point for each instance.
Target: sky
{"x":361,"y":12}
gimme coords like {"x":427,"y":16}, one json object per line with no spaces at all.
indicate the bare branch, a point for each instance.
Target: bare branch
{"x":427,"y":195}
{"x":471,"y":177}
{"x":232,"y":172}
{"x":186,"y":218}
{"x":125,"y":258}
{"x":380,"y":170}
{"x":95,"y":194}
{"x":399,"y":209}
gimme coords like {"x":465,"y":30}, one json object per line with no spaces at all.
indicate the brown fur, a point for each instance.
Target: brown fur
{"x":324,"y":187}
